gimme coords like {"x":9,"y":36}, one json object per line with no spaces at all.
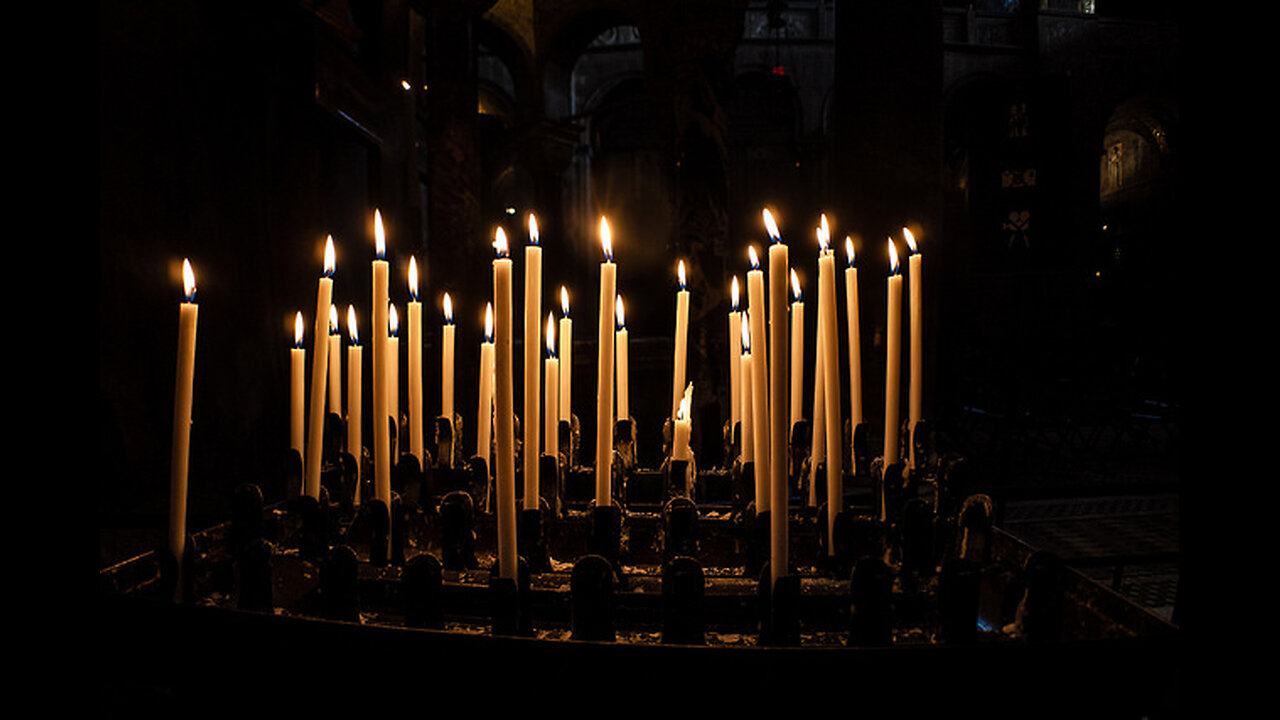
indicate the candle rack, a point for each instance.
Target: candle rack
{"x":914,"y":565}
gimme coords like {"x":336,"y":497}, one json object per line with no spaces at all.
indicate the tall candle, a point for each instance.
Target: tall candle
{"x":735,"y":358}
{"x":447,"y":339}
{"x":916,"y":394}
{"x":484,"y":413}
{"x":566,"y":357}
{"x":417,"y":431}
{"x":604,"y":371}
{"x":621,"y":361}
{"x":797,"y":351}
{"x":831,"y":384}
{"x":532,"y":363}
{"x":779,"y":379}
{"x":298,"y":391}
{"x":681,"y":341}
{"x":893,"y":364}
{"x":183,"y":391}
{"x":381,"y":306}
{"x":355,"y":391}
{"x":855,"y":335}
{"x":759,"y":379}
{"x":335,"y":362}
{"x":319,"y":375}
{"x":747,"y":405}
{"x":551,"y":370}
{"x":504,"y":409}
{"x":393,"y":375}
{"x":818,"y":434}
{"x":682,"y":431}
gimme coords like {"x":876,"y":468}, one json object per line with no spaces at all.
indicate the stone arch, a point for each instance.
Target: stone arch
{"x":1138,"y":151}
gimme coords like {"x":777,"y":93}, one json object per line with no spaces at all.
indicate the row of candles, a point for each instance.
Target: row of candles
{"x":765,"y":375}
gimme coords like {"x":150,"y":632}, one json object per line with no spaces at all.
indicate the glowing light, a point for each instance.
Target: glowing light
{"x":488,"y":322}
{"x":795,"y":286}
{"x":393,"y":319}
{"x":413,"y":278}
{"x":826,"y":229}
{"x":755,"y":259}
{"x":824,"y":239}
{"x":564,"y":300}
{"x":746,"y":334}
{"x":911,"y":240}
{"x":893,"y":258}
{"x":448,"y":309}
{"x":379,"y":236}
{"x":351,"y":325}
{"x":297,"y":329}
{"x":771,"y":226}
{"x":533,"y":229}
{"x":621,"y":315}
{"x":848,"y":249}
{"x":680,"y":274}
{"x":188,"y":281}
{"x":500,"y":242}
{"x":606,"y":239}
{"x":333,"y":319}
{"x":685,"y":402}
{"x":551,"y":335}
{"x":329,"y":261}
{"x":733,"y":294}
{"x":405,"y":84}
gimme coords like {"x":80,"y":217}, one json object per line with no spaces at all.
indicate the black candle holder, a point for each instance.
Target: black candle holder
{"x":339,"y":588}
{"x":531,"y":537}
{"x":570,"y":438}
{"x":511,"y":605}
{"x":779,"y":600}
{"x":422,"y":592}
{"x":683,"y":602}
{"x":677,"y":478}
{"x":605,"y":538}
{"x":551,"y":483}
{"x":679,"y":529}
{"x":591,"y":588}
{"x":458,"y":531}
{"x":448,"y":441}
{"x":799,"y":447}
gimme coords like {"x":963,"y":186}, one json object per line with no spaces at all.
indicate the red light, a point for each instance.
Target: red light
{"x":779,"y":70}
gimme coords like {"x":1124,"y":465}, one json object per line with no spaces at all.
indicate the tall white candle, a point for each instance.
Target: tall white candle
{"x":915,"y":404}
{"x":183,"y":391}
{"x":551,"y":370}
{"x":504,"y":409}
{"x":381,"y":306}
{"x":797,"y":351}
{"x":319,"y":375}
{"x":682,"y":431}
{"x":818,"y":434}
{"x":831,"y":384}
{"x":335,"y":362}
{"x":566,"y":357}
{"x":779,"y":387}
{"x":855,"y":335}
{"x":417,"y":430}
{"x":622,"y":361}
{"x":681,"y":341}
{"x":298,"y":391}
{"x":893,"y":364}
{"x":735,"y":358}
{"x":604,"y":370}
{"x":747,"y":404}
{"x":759,"y":379}
{"x":532,"y":363}
{"x":355,"y":392}
{"x":484,"y":413}
{"x":448,"y":334}
{"x":393,"y":376}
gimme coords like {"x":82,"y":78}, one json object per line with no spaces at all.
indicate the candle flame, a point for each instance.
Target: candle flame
{"x":824,"y":238}
{"x":911,"y":240}
{"x":733,"y":294}
{"x":893,"y":258}
{"x":448,"y":309}
{"x":500,"y":241}
{"x":606,"y":239}
{"x":848,"y":249}
{"x":826,"y":229}
{"x":755,"y":259}
{"x":564,"y":300}
{"x":488,"y":322}
{"x":746,"y":334}
{"x":329,"y":261}
{"x":297,"y":329}
{"x":621,"y":315}
{"x":188,"y":280}
{"x":351,"y":325}
{"x":771,"y":226}
{"x":551,"y":335}
{"x":685,"y":402}
{"x":795,"y":286}
{"x":533,"y":229}
{"x":413,"y":278}
{"x":379,"y":236}
{"x":393,"y":319}
{"x":333,"y":319}
{"x":680,"y":274}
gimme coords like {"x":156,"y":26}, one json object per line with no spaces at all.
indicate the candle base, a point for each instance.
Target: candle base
{"x":458,"y":531}
{"x":480,"y":482}
{"x":411,"y":482}
{"x":732,"y":440}
{"x":510,"y":612}
{"x":605,"y":537}
{"x":683,"y":601}
{"x":532,"y":540}
{"x":779,"y":609}
{"x":570,"y":441}
{"x":591,"y":588}
{"x":858,"y":438}
{"x":292,"y":473}
{"x":679,"y":529}
{"x":921,"y":441}
{"x":550,"y":481}
{"x":624,"y":445}
{"x":916,"y":537}
{"x":678,"y":478}
{"x":422,"y":592}
{"x":799,"y":446}
{"x":448,"y":441}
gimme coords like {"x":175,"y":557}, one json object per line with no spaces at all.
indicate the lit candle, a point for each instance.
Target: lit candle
{"x":298,"y":390}
{"x":831,"y":383}
{"x":532,"y":363}
{"x":604,"y":370}
{"x":355,"y":359}
{"x":916,"y":393}
{"x":759,"y":379}
{"x":797,"y":350}
{"x":504,"y":409}
{"x":566,"y":356}
{"x":417,"y":432}
{"x":552,"y":381}
{"x":681,"y":341}
{"x":393,"y":373}
{"x":335,"y":362}
{"x":779,"y":379}
{"x":484,"y":414}
{"x":893,"y":362}
{"x":735,"y":358}
{"x":818,"y":434}
{"x":620,"y":339}
{"x":855,"y":335}
{"x":682,"y":431}
{"x":381,"y":306}
{"x":188,"y":313}
{"x":319,"y":375}
{"x":447,"y":340}
{"x":748,"y":412}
